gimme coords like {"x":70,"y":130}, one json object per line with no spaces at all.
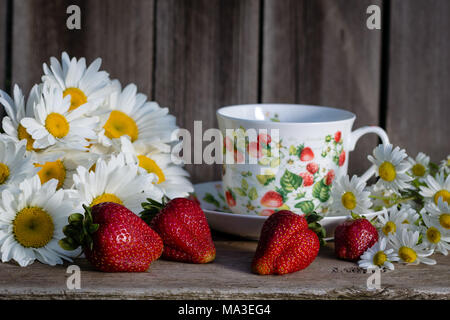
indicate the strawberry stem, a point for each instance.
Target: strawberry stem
{"x":151,"y":209}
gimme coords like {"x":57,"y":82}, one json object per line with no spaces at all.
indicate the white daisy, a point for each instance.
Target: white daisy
{"x":419,"y":166}
{"x":16,"y":110}
{"x":15,"y":165}
{"x":172,"y":179}
{"x":391,"y":167}
{"x":64,"y":165}
{"x":381,"y":197}
{"x":129,"y":113}
{"x":438,"y":187}
{"x":378,"y":256}
{"x":31,"y":222}
{"x":393,"y":220}
{"x":55,"y":125}
{"x":435,"y":236}
{"x":445,"y":165}
{"x":439,"y":214}
{"x":115,"y":181}
{"x":349,"y":196}
{"x":84,"y":85}
{"x":409,"y":251}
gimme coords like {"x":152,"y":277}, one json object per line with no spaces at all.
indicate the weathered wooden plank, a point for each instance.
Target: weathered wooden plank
{"x":418,"y":112}
{"x":206,"y":57}
{"x":120,"y":32}
{"x":321,"y":52}
{"x":228,"y":277}
{"x":3,"y":47}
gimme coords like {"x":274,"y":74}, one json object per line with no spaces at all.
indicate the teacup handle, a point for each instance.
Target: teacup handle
{"x":358,"y":133}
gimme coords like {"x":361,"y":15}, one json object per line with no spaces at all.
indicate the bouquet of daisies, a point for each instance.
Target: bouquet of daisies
{"x":78,"y":138}
{"x":413,"y":195}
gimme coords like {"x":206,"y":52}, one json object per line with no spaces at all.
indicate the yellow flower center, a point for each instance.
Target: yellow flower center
{"x":418,"y":170}
{"x":57,"y":125}
{"x":444,"y":194}
{"x":407,"y":254}
{"x":433,"y":235}
{"x":77,"y":97}
{"x":33,"y":227}
{"x":23,"y":134}
{"x":151,"y":167}
{"x":405,"y":221}
{"x":4,"y":173}
{"x":387,"y":171}
{"x":52,"y":170}
{"x":389,"y":228}
{"x":106,"y":197}
{"x":379,"y":258}
{"x":349,"y":200}
{"x":120,"y":124}
{"x":444,"y":220}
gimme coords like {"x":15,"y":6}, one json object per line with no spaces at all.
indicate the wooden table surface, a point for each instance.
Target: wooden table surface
{"x":228,"y":277}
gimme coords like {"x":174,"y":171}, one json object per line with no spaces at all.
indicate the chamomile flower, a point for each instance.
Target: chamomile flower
{"x":84,"y":85}
{"x":115,"y":181}
{"x":31,"y":223}
{"x":409,"y":251}
{"x":391,"y":167}
{"x":419,"y":166}
{"x":381,"y":197}
{"x":130,"y":114}
{"x":435,"y":236}
{"x":53,"y":124}
{"x":439,"y":214}
{"x":378,"y":256}
{"x":349,"y":196}
{"x":445,"y":165}
{"x":394,"y":220}
{"x":172,"y":178}
{"x":15,"y":165}
{"x":438,"y":187}
{"x":16,"y":109}
{"x":64,"y":165}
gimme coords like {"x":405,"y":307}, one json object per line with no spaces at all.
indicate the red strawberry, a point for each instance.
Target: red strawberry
{"x":194,"y":198}
{"x":286,"y":245}
{"x":342,"y":158}
{"x":228,"y":144}
{"x":113,"y":238}
{"x":272,"y":199}
{"x":182,"y":225}
{"x":254,"y":150}
{"x":266,"y":212}
{"x":238,"y":157}
{"x":308,"y":179}
{"x":230,"y":199}
{"x":306,"y":154}
{"x":312,"y":167}
{"x":264,"y":139}
{"x":353,"y":237}
{"x":329,"y":177}
{"x":337,"y":136}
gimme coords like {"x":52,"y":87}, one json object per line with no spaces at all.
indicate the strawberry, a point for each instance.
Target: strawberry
{"x":238,"y":157}
{"x":308,"y":179}
{"x":113,"y":238}
{"x":306,"y":154}
{"x":286,"y":245}
{"x":329,"y":177}
{"x":228,"y":144}
{"x":254,"y":150}
{"x":337,"y":136}
{"x":342,"y":158}
{"x":182,"y":225}
{"x":353,"y":237}
{"x":230,"y":199}
{"x":312,"y":167}
{"x":264,"y":139}
{"x":272,"y":199}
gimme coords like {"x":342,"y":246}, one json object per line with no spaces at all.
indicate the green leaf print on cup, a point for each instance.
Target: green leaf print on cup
{"x":253,"y":194}
{"x":209,"y":198}
{"x":265,"y":179}
{"x":290,"y":181}
{"x":244,"y":185}
{"x":305,"y":206}
{"x":321,"y":191}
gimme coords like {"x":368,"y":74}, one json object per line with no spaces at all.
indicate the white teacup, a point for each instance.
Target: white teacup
{"x":286,"y":156}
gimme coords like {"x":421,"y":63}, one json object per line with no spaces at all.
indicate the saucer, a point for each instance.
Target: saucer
{"x":220,"y":217}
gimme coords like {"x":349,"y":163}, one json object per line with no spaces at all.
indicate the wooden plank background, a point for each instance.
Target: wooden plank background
{"x":194,"y":56}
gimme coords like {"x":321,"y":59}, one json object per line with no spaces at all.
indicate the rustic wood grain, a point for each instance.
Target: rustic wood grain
{"x":206,"y":57}
{"x":228,"y":277}
{"x":418,"y":111}
{"x":120,"y":32}
{"x":321,"y":52}
{"x":3,"y":47}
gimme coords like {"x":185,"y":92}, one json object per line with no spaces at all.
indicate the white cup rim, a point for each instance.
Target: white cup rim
{"x":341,"y":115}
